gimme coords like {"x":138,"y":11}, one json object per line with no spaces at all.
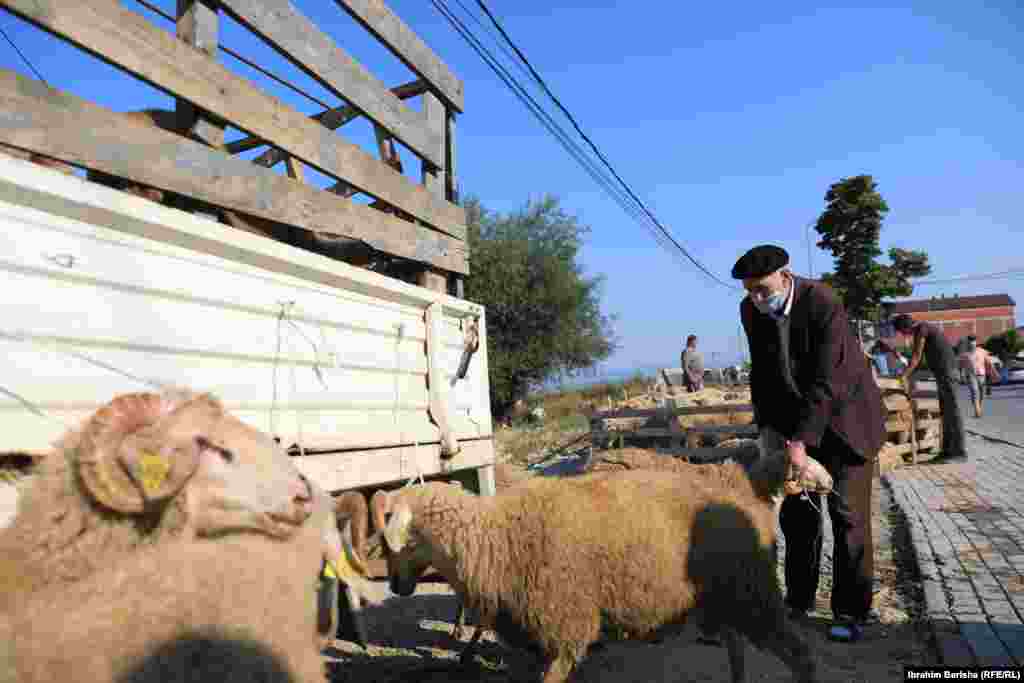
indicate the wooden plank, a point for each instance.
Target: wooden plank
{"x":127,"y":40}
{"x":929,"y":404}
{"x":685,"y":410}
{"x":352,"y":469}
{"x":704,"y":454}
{"x":928,"y":424}
{"x":661,"y":432}
{"x":900,"y":449}
{"x":745,"y":430}
{"x":896,"y":403}
{"x":36,"y":117}
{"x":197,"y":26}
{"x":300,"y":41}
{"x":889,"y":384}
{"x":451,"y":177}
{"x":433,"y":175}
{"x":294,"y":168}
{"x":379,"y":20}
{"x":897,"y":426}
{"x":329,"y":118}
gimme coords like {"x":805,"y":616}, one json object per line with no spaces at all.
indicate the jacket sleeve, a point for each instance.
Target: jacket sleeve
{"x":745,"y":318}
{"x":829,"y":332}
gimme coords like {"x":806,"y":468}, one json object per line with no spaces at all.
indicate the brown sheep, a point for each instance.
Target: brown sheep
{"x":545,"y":562}
{"x":741,"y":452}
{"x":132,"y":622}
{"x":144,"y":468}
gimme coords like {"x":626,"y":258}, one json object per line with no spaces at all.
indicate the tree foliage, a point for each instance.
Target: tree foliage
{"x":1006,"y":345}
{"x":544,"y":316}
{"x":850,"y":227}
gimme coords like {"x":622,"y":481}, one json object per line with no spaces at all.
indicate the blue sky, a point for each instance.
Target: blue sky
{"x":729,"y":120}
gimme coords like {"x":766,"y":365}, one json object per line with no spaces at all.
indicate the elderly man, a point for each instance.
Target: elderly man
{"x":692,"y":362}
{"x":814,"y":395}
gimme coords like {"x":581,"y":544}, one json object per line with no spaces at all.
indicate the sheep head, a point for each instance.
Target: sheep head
{"x":406,"y":559}
{"x":141,"y":450}
{"x":351,"y":518}
{"x":342,"y":529}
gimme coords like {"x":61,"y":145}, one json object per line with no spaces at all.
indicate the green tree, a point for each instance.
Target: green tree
{"x":544,"y":318}
{"x":850,"y":227}
{"x":1006,"y":345}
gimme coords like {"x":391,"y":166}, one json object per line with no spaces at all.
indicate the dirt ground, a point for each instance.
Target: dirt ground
{"x":410,"y":637}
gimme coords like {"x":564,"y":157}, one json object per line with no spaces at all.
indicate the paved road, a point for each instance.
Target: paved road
{"x":967,"y":528}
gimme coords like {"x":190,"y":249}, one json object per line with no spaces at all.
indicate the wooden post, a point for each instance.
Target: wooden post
{"x":197,"y":26}
{"x":433,"y":176}
{"x":451,"y":180}
{"x":433,"y":280}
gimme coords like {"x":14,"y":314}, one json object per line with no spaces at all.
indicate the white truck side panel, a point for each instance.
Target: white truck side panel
{"x":315,"y":351}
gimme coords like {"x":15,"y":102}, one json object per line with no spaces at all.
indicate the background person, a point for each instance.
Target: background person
{"x":929,"y":342}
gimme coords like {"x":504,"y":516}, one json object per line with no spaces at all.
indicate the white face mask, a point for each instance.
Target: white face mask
{"x":772,"y":304}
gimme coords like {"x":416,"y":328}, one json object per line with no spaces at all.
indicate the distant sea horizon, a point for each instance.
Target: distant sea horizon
{"x":600,"y":375}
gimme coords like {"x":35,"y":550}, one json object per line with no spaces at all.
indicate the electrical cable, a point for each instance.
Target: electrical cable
{"x":23,"y":57}
{"x":594,"y":147}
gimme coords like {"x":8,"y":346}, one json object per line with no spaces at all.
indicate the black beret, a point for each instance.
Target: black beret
{"x":762,"y":260}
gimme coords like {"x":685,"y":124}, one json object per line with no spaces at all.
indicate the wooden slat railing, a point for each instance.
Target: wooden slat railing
{"x":33,"y":116}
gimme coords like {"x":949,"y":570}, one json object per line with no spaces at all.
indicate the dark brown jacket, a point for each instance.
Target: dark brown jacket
{"x":831,"y":387}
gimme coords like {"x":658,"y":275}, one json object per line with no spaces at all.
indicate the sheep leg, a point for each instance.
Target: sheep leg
{"x":467,"y":652}
{"x":787,"y":644}
{"x":460,"y":621}
{"x":734,"y":645}
{"x":558,"y":668}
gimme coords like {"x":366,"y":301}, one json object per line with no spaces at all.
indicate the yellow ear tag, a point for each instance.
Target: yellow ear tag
{"x":153,"y":469}
{"x":341,"y":568}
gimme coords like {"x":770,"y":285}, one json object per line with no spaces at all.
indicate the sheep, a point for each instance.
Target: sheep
{"x":143,"y":469}
{"x":140,"y":618}
{"x":544,"y":562}
{"x":742,"y":452}
{"x":350,"y":514}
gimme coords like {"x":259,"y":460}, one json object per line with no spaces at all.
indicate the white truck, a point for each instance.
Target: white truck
{"x":371,"y":374}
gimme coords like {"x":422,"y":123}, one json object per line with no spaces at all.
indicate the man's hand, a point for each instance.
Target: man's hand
{"x":796,"y":453}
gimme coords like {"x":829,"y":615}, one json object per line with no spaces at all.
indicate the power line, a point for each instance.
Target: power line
{"x":597,"y":151}
{"x":23,"y":57}
{"x":593,"y":146}
{"x":542,"y":116}
{"x":1013,"y":274}
{"x":244,"y":60}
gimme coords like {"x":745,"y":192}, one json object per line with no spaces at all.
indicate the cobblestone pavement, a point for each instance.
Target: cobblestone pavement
{"x":967,"y":528}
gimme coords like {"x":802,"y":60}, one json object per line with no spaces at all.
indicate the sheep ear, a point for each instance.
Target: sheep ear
{"x":160,"y":469}
{"x":396,"y":533}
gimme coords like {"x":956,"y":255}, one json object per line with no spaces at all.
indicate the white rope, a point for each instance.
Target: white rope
{"x":277,"y":359}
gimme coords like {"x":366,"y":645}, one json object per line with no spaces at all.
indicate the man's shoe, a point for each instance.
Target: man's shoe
{"x":847,"y":632}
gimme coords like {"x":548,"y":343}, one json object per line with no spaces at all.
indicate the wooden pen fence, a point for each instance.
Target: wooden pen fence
{"x":913,"y":425}
{"x":414,"y":220}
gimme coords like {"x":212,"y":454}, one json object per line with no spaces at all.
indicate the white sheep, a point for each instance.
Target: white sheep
{"x":548,"y":561}
{"x":233,"y":608}
{"x":146,"y":468}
